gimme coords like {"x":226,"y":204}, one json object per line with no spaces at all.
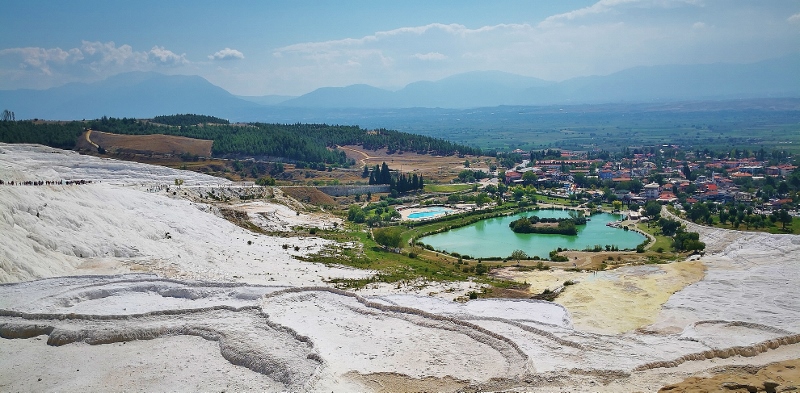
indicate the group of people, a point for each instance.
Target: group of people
{"x":45,"y":182}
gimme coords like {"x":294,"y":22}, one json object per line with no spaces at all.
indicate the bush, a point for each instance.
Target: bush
{"x":388,"y":237}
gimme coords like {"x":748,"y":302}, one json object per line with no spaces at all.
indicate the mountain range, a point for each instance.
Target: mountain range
{"x":147,"y":94}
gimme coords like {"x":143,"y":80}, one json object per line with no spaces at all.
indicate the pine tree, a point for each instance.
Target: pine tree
{"x":386,"y":175}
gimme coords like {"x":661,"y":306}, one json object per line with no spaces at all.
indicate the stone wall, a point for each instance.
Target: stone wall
{"x":352,"y":190}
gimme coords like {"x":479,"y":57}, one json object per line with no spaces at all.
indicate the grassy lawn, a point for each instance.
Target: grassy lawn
{"x":447,"y":187}
{"x":662,"y":241}
{"x":392,"y":267}
{"x":793,"y":229}
{"x":777,"y":228}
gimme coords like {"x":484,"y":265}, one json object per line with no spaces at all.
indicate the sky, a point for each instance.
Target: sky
{"x":293,"y":47}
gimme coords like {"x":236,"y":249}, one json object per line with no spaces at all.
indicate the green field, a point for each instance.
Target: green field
{"x":447,"y":187}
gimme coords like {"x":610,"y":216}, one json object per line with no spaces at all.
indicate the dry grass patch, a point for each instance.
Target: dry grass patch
{"x":432,"y":168}
{"x":775,"y":377}
{"x":146,"y":144}
{"x":309,"y":195}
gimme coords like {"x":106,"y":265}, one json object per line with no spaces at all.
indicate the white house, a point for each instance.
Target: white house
{"x":651,"y":191}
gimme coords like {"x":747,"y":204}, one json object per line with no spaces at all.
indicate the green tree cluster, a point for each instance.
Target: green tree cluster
{"x":388,"y":237}
{"x":309,"y":143}
{"x":188,"y":120}
{"x":397,"y":182}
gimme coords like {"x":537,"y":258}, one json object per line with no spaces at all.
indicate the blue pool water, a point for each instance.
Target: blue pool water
{"x":430,"y":212}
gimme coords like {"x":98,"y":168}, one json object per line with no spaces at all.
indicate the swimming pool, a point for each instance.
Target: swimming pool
{"x":429,"y":212}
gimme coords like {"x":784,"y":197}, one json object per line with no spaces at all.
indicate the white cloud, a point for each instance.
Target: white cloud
{"x":610,"y":6}
{"x":605,"y":37}
{"x":429,"y":56}
{"x":41,"y":58}
{"x":227,"y":54}
{"x":600,"y":7}
{"x":98,"y":59}
{"x":167,"y":57}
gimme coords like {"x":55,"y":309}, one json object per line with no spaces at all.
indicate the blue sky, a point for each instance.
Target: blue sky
{"x":293,"y":47}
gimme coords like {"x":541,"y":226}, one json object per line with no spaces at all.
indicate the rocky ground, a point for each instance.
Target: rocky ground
{"x":121,"y":285}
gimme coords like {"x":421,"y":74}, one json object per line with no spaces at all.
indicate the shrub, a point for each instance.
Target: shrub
{"x":388,"y":237}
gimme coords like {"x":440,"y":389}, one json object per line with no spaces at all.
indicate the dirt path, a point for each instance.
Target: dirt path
{"x":88,"y":139}
{"x":362,"y":161}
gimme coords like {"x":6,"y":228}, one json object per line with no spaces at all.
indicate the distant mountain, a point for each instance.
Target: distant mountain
{"x":471,"y":89}
{"x":133,"y":94}
{"x":770,"y":78}
{"x":271,"y":99}
{"x":147,"y":94}
{"x":664,"y":83}
{"x":353,"y":96}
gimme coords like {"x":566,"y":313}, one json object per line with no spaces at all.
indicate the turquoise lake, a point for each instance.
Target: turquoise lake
{"x":493,"y":238}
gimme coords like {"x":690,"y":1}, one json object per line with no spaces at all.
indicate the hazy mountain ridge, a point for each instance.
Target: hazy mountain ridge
{"x":766,"y":79}
{"x":147,"y":94}
{"x":133,"y":94}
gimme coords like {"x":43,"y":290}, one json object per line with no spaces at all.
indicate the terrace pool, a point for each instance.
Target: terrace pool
{"x":429,"y":212}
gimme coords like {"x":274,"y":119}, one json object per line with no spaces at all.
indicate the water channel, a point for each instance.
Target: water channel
{"x":493,"y":238}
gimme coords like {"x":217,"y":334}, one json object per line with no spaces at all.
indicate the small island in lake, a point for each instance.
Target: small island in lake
{"x":554,"y":226}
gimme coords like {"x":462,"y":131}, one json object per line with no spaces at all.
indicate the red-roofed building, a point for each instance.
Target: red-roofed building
{"x":786,"y":170}
{"x":512,"y":176}
{"x":781,"y":202}
{"x":667,"y":197}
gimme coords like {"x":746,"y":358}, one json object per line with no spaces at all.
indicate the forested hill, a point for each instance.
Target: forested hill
{"x":313,"y":143}
{"x":188,"y":120}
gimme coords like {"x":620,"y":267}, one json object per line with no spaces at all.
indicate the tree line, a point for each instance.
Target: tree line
{"x":309,"y":143}
{"x":188,"y":120}
{"x":399,"y":182}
